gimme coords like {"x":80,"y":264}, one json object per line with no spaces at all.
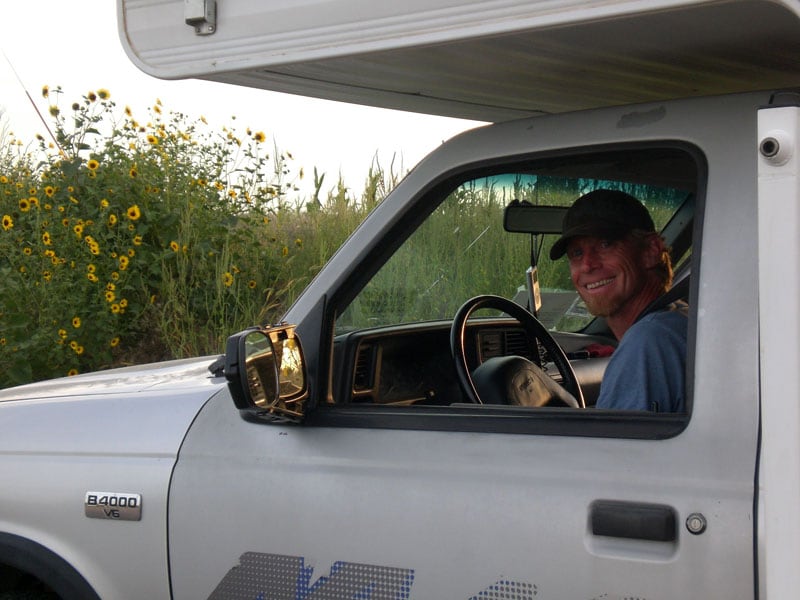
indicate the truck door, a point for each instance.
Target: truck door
{"x":397,"y":486}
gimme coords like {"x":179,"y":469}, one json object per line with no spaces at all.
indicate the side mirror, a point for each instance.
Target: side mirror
{"x":266,"y":373}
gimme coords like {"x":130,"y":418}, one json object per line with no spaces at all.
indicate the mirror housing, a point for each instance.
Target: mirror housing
{"x":524,"y":217}
{"x":266,"y":373}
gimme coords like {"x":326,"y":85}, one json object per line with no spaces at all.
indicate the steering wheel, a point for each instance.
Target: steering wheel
{"x":534,"y":331}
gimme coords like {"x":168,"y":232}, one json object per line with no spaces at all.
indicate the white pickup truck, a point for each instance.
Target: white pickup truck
{"x":346,"y":453}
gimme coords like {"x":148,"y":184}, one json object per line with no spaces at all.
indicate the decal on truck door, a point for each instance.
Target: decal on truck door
{"x":277,"y":577}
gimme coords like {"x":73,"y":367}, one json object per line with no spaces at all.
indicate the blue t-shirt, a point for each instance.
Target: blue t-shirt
{"x":648,"y":369}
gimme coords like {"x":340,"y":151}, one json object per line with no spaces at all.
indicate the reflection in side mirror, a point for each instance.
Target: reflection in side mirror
{"x":266,"y":372}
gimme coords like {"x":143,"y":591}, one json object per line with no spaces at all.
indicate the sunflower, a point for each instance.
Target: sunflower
{"x":252,"y":284}
{"x":72,"y":372}
{"x":123,"y":262}
{"x":8,"y":222}
{"x":227,"y":279}
{"x":110,"y":296}
{"x":46,"y":238}
{"x":114,"y":342}
{"x":24,"y":205}
{"x":137,"y":240}
{"x":259,"y":137}
{"x":174,"y":246}
{"x":76,"y":322}
{"x":103,"y":94}
{"x":92,"y":165}
{"x":49,"y":190}
{"x":134,"y":213}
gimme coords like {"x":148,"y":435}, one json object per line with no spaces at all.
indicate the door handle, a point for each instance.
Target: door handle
{"x":634,"y":520}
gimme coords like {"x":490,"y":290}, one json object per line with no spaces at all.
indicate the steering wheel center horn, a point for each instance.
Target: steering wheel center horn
{"x":512,"y":379}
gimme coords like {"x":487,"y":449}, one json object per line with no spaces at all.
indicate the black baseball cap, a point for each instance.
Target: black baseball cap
{"x":608,"y":214}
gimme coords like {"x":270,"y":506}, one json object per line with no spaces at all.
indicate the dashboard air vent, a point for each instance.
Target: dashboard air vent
{"x":362,"y":376}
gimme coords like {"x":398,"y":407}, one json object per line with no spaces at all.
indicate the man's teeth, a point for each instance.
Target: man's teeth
{"x":597,"y":284}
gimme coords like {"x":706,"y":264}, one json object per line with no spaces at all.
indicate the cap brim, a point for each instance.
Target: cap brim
{"x":602,"y":230}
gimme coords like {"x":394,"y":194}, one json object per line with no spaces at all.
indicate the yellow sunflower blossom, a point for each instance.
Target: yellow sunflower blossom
{"x":174,"y":246}
{"x":103,"y":94}
{"x":123,"y":262}
{"x":134,"y":213}
{"x":110,"y":296}
{"x":123,"y":302}
{"x":115,"y":308}
{"x":133,"y":172}
{"x":24,"y":205}
{"x":137,"y":240}
{"x":259,"y":137}
{"x":112,"y":220}
{"x":45,"y":91}
{"x":54,"y":110}
{"x":92,"y":277}
{"x":8,"y":222}
{"x":227,"y":279}
{"x":152,"y":140}
{"x":72,"y":372}
{"x":92,"y":165}
{"x":27,"y":251}
{"x":46,"y":238}
{"x":76,"y":322}
{"x":114,"y":342}
{"x":49,"y":190}
{"x":252,"y":284}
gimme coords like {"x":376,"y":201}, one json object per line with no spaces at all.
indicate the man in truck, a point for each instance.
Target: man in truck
{"x":619,"y":265}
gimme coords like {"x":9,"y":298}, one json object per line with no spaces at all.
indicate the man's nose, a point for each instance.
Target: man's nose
{"x":588,"y":260}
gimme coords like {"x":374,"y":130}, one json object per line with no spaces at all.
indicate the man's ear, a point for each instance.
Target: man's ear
{"x":653,"y":249}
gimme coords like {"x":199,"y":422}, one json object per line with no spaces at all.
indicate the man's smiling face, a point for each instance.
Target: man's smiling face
{"x":608,"y":274}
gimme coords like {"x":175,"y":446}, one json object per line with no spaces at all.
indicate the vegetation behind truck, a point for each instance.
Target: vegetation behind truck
{"x":344,"y":453}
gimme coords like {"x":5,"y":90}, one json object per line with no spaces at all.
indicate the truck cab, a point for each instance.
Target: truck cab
{"x":348,"y":451}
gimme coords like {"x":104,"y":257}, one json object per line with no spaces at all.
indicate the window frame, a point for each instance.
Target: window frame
{"x":494,"y":418}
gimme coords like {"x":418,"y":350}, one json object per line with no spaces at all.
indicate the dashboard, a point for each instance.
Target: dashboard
{"x":413,"y":365}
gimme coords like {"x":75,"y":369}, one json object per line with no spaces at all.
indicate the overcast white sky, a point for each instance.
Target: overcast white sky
{"x":75,"y":45}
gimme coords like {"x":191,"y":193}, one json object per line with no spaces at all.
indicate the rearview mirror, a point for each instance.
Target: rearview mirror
{"x":265,"y":370}
{"x":524,"y":217}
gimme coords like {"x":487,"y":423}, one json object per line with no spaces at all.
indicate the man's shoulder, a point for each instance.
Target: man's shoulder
{"x":674,"y":317}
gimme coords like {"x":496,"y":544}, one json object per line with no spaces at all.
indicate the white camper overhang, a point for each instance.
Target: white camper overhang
{"x":489,"y":60}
